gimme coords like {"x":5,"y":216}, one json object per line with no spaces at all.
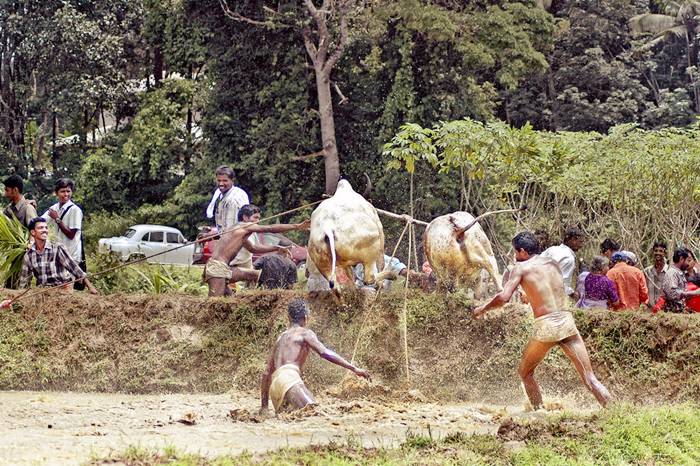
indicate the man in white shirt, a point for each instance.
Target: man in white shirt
{"x":227,"y":200}
{"x":65,"y":219}
{"x":565,"y":257}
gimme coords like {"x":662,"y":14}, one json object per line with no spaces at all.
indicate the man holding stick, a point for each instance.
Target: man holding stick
{"x":50,"y":263}
{"x":217,"y":272}
{"x":541,"y":280}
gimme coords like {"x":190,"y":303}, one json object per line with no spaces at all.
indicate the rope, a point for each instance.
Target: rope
{"x":376,"y":297}
{"x":404,"y":313}
{"x":144,"y":258}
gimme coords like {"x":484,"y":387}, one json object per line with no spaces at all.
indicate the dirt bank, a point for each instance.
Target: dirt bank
{"x":178,"y":344}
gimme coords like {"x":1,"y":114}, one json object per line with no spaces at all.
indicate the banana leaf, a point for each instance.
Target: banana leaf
{"x":14,"y":240}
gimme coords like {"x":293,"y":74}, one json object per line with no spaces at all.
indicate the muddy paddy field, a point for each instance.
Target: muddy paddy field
{"x":143,"y":379}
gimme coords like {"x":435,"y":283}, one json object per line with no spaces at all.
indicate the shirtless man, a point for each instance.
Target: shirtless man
{"x":217,"y":272}
{"x":542,"y":282}
{"x":281,"y":380}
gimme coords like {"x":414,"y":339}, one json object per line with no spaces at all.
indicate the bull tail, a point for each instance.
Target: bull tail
{"x":328,"y":232}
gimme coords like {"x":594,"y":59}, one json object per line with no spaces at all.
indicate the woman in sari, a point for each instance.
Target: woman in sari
{"x":598,"y":290}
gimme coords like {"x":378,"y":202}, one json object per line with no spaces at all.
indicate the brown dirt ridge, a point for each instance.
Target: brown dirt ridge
{"x":182,"y":344}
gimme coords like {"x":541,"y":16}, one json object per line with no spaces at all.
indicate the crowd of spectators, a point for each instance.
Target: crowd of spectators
{"x":614,"y":280}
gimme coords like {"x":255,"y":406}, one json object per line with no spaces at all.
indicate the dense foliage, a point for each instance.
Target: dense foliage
{"x":140,"y":100}
{"x":632,"y":184}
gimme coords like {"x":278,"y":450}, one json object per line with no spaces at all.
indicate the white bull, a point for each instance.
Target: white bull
{"x":457,"y":257}
{"x":345,"y":231}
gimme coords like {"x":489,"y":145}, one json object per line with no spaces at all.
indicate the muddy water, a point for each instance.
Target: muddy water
{"x":72,"y":428}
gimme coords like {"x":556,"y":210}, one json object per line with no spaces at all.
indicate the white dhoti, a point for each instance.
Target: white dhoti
{"x":284,"y":378}
{"x":554,"y":327}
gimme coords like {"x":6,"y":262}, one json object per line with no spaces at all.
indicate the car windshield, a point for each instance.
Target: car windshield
{"x":130,"y":232}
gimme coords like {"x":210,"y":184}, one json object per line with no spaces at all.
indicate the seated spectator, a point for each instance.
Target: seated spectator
{"x":276,"y":271}
{"x":609,"y":247}
{"x":49,"y":263}
{"x":392,"y":265}
{"x":629,"y":281}
{"x":598,"y":290}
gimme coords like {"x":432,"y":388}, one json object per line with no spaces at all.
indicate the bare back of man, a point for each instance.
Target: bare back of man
{"x":293,"y":348}
{"x":217,"y":272}
{"x":542,"y":282}
{"x":281,"y":380}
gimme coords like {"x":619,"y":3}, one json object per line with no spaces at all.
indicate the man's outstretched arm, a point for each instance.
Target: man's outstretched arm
{"x":256,"y":248}
{"x":277,"y":228}
{"x":312,"y":340}
{"x":504,"y":296}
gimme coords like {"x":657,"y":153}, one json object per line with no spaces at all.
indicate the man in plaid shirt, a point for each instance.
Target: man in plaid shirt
{"x":49,"y":263}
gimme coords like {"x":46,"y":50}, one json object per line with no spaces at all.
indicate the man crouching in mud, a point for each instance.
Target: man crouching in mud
{"x":281,"y":380}
{"x":541,"y":279}
{"x":217,"y":272}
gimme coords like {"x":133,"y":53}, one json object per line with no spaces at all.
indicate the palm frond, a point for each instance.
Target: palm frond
{"x":14,"y":240}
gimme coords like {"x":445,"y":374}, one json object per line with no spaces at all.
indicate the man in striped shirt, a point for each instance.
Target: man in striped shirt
{"x":49,"y":263}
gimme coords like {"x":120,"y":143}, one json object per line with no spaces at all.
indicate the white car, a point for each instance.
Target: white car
{"x":147,"y":240}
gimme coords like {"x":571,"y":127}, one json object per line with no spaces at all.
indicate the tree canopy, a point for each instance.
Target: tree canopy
{"x":141,"y":100}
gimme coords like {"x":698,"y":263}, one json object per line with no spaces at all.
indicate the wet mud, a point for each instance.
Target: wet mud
{"x":73,"y":428}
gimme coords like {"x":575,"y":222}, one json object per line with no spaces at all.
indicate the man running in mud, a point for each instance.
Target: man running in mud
{"x":217,"y":272}
{"x":542,"y":282}
{"x":281,"y":380}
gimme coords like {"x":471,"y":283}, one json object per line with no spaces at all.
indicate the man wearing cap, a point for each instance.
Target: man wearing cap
{"x":629,"y":281}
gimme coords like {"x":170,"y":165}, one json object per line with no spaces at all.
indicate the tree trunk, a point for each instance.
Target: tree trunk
{"x":325,"y":110}
{"x":551,"y":98}
{"x":693,"y":62}
{"x":54,"y":154}
{"x":157,"y":65}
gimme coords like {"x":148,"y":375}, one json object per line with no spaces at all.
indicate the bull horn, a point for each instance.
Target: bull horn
{"x":368,"y":188}
{"x":460,"y":230}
